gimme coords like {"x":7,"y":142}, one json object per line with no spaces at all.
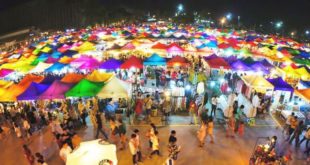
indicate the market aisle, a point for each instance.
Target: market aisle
{"x":225,"y":151}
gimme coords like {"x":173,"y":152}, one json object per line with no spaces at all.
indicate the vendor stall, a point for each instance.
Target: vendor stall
{"x":256,"y":83}
{"x":283,"y":92}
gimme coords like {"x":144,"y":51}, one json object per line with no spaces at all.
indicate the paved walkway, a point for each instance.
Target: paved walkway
{"x":225,"y":151}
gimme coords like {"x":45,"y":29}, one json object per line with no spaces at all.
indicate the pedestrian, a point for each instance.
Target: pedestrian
{"x":133,"y":149}
{"x":155,"y":144}
{"x":297,"y":132}
{"x":122,"y":133}
{"x":148,"y":106}
{"x":137,"y":141}
{"x":238,"y":117}
{"x":76,"y":140}
{"x":26,"y":127}
{"x":65,"y":151}
{"x":306,"y":137}
{"x":210,"y":129}
{"x":40,"y":159}
{"x":28,"y":155}
{"x":294,"y":123}
{"x":150,"y":133}
{"x":17,"y":130}
{"x":99,"y":126}
{"x":288,"y":123}
{"x":172,"y":137}
{"x":241,"y":128}
{"x":201,"y":133}
{"x":213,"y":105}
{"x":192,"y":112}
{"x":114,"y":128}
{"x":230,"y":127}
{"x":173,"y":150}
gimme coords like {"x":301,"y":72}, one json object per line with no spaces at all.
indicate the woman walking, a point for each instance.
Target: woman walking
{"x":210,"y":129}
{"x":201,"y":134}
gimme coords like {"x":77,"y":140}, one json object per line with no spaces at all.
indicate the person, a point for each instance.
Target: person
{"x":172,"y":137}
{"x":201,"y":134}
{"x":17,"y":130}
{"x":28,"y":155}
{"x":256,"y":104}
{"x":137,"y":141}
{"x":230,"y":127}
{"x":167,"y":109}
{"x":99,"y":127}
{"x":133,"y":148}
{"x":294,"y":123}
{"x":288,"y":123}
{"x":155,"y":144}
{"x":213,"y":106}
{"x":139,"y":104}
{"x":192,"y":112}
{"x":26,"y":127}
{"x":65,"y":151}
{"x":82,"y":111}
{"x":238,"y":117}
{"x":40,"y":159}
{"x":210,"y":129}
{"x":173,"y":150}
{"x":297,"y":132}
{"x":76,"y":140}
{"x":241,"y":128}
{"x":148,"y":106}
{"x":122,"y":133}
{"x":150,"y":133}
{"x":306,"y":137}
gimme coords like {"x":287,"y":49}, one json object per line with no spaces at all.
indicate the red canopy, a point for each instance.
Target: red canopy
{"x":177,"y":61}
{"x":159,"y":45}
{"x":132,"y":62}
{"x":218,"y":63}
{"x":174,"y":48}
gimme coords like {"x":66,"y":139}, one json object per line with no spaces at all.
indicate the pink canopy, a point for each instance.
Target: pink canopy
{"x":174,"y":48}
{"x":85,"y":62}
{"x":56,"y":91}
{"x":5,"y":72}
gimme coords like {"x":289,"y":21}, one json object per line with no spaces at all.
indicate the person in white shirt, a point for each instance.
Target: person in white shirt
{"x":256,"y":104}
{"x":155,"y":144}
{"x":139,"y":154}
{"x":133,"y":148}
{"x":213,"y":105}
{"x":65,"y":151}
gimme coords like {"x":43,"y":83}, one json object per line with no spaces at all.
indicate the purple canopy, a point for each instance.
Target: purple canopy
{"x":280,"y":84}
{"x":51,"y":60}
{"x":86,"y":62}
{"x":213,"y":56}
{"x":50,"y":79}
{"x":5,"y":72}
{"x":259,"y":67}
{"x":267,"y":64}
{"x":111,"y":64}
{"x":231,"y":59}
{"x":240,"y":66}
{"x":33,"y":91}
{"x":56,"y":91}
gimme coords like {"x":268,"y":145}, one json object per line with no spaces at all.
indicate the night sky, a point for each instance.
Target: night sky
{"x":294,"y":13}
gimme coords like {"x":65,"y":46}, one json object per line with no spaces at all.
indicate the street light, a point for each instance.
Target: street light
{"x":223,"y":21}
{"x":279,"y":24}
{"x":307,"y":32}
{"x":180,"y":8}
{"x":229,"y":16}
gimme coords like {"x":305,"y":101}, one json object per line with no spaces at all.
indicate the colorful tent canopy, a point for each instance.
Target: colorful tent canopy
{"x":304,"y":93}
{"x":65,"y":60}
{"x":258,"y":83}
{"x":304,"y":84}
{"x":50,"y":79}
{"x":280,"y":84}
{"x":304,"y":74}
{"x":40,"y":67}
{"x":72,"y":78}
{"x":159,"y":45}
{"x":132,"y":62}
{"x":259,"y":67}
{"x":155,"y":59}
{"x":56,"y":91}
{"x":115,"y":88}
{"x":240,"y":66}
{"x":5,"y":84}
{"x":85,"y":88}
{"x":218,"y":63}
{"x":177,"y":61}
{"x":5,"y":72}
{"x":56,"y":67}
{"x":33,"y":91}
{"x":174,"y":48}
{"x":96,"y":76}
{"x":111,"y":64}
{"x":290,"y":72}
{"x":211,"y":57}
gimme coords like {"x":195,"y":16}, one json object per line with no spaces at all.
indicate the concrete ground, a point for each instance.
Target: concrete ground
{"x":225,"y":151}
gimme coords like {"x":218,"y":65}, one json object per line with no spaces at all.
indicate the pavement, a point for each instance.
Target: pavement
{"x":225,"y":151}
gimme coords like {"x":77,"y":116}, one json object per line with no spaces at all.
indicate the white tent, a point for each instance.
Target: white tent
{"x":115,"y":88}
{"x":40,"y":67}
{"x":95,"y":152}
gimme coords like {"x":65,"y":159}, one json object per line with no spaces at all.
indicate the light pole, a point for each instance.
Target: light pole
{"x":223,"y":21}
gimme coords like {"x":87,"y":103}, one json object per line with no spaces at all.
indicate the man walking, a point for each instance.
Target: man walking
{"x":99,"y":126}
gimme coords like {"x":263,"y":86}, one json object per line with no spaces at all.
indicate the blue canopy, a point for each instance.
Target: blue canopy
{"x":154,"y":59}
{"x":111,"y":64}
{"x":55,"y":67}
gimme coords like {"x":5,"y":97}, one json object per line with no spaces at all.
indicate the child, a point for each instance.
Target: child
{"x":241,"y":128}
{"x":210,"y":129}
{"x":155,"y":144}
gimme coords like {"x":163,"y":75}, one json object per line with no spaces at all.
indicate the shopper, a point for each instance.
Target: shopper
{"x":210,"y":129}
{"x":306,"y":137}
{"x":155,"y":144}
{"x":28,"y":155}
{"x":213,"y":105}
{"x":137,"y":141}
{"x":133,"y":149}
{"x":172,"y":137}
{"x":99,"y":127}
{"x":201,"y":134}
{"x":297,"y":132}
{"x":122,"y":133}
{"x":192,"y":112}
{"x":65,"y":151}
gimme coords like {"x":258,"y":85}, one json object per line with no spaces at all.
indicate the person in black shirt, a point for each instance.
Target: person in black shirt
{"x":99,"y":126}
{"x":172,"y":137}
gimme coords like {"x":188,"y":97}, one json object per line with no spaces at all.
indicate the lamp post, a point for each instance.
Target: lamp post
{"x":223,"y":21}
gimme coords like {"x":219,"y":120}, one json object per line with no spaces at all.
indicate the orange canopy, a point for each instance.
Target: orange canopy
{"x":72,"y":78}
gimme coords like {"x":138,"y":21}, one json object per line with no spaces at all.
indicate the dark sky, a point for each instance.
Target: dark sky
{"x":294,"y":13}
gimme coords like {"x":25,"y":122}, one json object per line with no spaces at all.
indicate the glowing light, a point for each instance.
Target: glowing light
{"x":222,"y":80}
{"x":187,"y":87}
{"x":180,"y":8}
{"x":223,"y":21}
{"x":212,"y":84}
{"x":229,"y":16}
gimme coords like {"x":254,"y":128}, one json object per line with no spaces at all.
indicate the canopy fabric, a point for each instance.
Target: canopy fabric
{"x":96,"y":76}
{"x":33,"y":91}
{"x":174,"y":48}
{"x":258,"y":83}
{"x":93,"y":153}
{"x":211,"y":57}
{"x":40,"y":67}
{"x":86,"y":46}
{"x":72,"y":78}
{"x":132,"y":62}
{"x":5,"y":72}
{"x":155,"y":59}
{"x":56,"y":91}
{"x":56,"y":67}
{"x":50,"y":79}
{"x":111,"y":64}
{"x":65,"y":60}
{"x":30,"y":78}
{"x":129,"y":46}
{"x":115,"y":88}
{"x":177,"y":61}
{"x":259,"y":67}
{"x":280,"y":84}
{"x":218,"y":63}
{"x":239,"y":66}
{"x":85,"y":88}
{"x":304,"y":74}
{"x":5,"y":84}
{"x":85,"y":62}
{"x":159,"y":45}
{"x":290,"y":72}
{"x":304,"y":93}
{"x":267,"y":64}
{"x":306,"y":84}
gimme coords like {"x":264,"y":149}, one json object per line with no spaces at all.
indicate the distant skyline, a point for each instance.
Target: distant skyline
{"x":294,"y":13}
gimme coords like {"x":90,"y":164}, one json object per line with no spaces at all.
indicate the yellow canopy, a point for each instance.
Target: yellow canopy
{"x":86,"y":46}
{"x":96,"y":76}
{"x":5,"y":84}
{"x":304,"y":74}
{"x":290,"y":72}
{"x":115,"y":88}
{"x":258,"y":83}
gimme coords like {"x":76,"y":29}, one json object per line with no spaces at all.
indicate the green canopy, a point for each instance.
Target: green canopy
{"x":85,"y":88}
